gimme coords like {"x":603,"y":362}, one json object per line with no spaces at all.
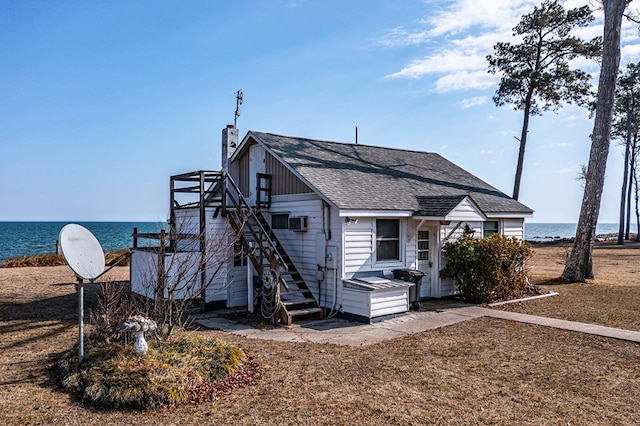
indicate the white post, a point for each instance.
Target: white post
{"x":80,"y":289}
{"x":249,"y":286}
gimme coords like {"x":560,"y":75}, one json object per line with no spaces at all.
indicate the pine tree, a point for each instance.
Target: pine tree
{"x":536,"y":76}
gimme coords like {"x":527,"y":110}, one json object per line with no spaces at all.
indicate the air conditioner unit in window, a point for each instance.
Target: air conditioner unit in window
{"x":298,"y":223}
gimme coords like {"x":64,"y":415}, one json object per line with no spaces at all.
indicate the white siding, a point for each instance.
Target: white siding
{"x":144,"y":271}
{"x":389,"y":302}
{"x":358,"y":246}
{"x":237,"y":291}
{"x":183,"y":265}
{"x":465,"y":211}
{"x":181,"y":272}
{"x":411,"y":245}
{"x":448,"y":230}
{"x":187,"y":221}
{"x":444,"y":287}
{"x":356,"y":302}
{"x":372,"y":304}
{"x":513,"y":228}
{"x":301,"y":246}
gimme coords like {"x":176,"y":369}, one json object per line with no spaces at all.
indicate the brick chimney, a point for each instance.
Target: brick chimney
{"x":229,"y":145}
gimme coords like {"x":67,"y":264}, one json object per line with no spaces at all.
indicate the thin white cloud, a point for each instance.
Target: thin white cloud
{"x":485,"y":14}
{"x":444,"y":147}
{"x":441,"y":63}
{"x":458,"y":35}
{"x":401,"y":37}
{"x":471,"y":102}
{"x":562,"y":145}
{"x":465,"y":80}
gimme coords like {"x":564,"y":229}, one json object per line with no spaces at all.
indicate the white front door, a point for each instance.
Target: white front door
{"x":236,"y":282}
{"x":427,"y":243}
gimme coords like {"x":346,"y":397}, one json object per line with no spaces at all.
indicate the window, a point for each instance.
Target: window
{"x":423,"y":245}
{"x":490,"y":228}
{"x":387,"y":239}
{"x":280,"y":221}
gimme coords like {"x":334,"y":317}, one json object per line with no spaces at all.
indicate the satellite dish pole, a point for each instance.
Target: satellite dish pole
{"x":85,"y":257}
{"x":239,"y":96}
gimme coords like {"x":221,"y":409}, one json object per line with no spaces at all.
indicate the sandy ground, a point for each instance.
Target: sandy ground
{"x":483,"y":371}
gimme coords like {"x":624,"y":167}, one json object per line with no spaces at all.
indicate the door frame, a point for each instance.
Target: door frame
{"x":432,"y":277}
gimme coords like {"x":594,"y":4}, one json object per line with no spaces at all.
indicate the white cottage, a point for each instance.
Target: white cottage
{"x":328,"y":227}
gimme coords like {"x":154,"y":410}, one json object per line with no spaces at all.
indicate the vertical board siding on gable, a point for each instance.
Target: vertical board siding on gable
{"x":241,"y":164}
{"x":358,"y":246}
{"x":283,"y":182}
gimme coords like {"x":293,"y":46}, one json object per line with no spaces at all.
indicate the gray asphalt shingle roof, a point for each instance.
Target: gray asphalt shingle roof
{"x":438,"y":206}
{"x":363,"y":177}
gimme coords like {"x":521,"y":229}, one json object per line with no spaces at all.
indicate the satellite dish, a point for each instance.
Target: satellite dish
{"x":82,"y":251}
{"x":85,"y":257}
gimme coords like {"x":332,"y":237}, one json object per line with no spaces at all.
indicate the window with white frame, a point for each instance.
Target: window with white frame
{"x":387,"y":240}
{"x":423,"y":245}
{"x":490,"y":228}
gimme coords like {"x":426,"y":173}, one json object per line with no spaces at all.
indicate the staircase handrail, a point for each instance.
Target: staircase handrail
{"x":245,"y":206}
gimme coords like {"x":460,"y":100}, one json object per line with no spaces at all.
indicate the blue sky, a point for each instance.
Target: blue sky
{"x":100,"y":102}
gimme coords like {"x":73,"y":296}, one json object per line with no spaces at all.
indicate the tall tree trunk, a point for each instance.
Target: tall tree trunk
{"x":579,"y":266}
{"x":523,"y":143}
{"x":630,"y":190}
{"x":627,"y":229}
{"x":625,"y":177}
{"x":637,"y":197}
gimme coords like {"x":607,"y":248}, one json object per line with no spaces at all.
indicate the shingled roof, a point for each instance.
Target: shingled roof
{"x":361,"y":177}
{"x":438,"y":206}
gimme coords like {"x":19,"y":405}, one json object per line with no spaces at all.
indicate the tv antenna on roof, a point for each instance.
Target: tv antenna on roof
{"x":239,"y":96}
{"x":85,"y":257}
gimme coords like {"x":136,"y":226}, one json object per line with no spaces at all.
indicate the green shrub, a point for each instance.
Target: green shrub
{"x":489,"y":269}
{"x":172,"y":373}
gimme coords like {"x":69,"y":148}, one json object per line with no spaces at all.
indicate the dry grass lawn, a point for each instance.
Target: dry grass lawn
{"x":483,"y":371}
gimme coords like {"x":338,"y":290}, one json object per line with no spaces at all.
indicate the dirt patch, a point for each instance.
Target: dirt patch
{"x":483,"y":371}
{"x":611,"y":299}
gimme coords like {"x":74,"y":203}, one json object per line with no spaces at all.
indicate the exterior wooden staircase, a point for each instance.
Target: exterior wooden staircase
{"x":285,"y":295}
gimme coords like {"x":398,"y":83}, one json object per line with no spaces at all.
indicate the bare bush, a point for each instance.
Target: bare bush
{"x":115,"y":304}
{"x":177,"y":278}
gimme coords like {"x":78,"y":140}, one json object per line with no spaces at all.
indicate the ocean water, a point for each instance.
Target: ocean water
{"x":555,"y":231}
{"x":28,"y":238}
